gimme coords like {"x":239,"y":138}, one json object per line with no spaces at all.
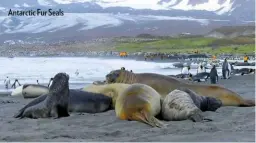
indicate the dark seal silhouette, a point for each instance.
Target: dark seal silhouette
{"x":55,"y":103}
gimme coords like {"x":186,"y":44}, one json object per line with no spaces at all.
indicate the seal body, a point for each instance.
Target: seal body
{"x":243,"y":71}
{"x":178,"y":105}
{"x":204,"y":103}
{"x":17,"y":91}
{"x":88,"y":102}
{"x":166,"y":84}
{"x":34,"y":90}
{"x":55,"y":103}
{"x":139,"y":102}
{"x":81,"y":101}
{"x":110,"y":90}
{"x":201,"y":76}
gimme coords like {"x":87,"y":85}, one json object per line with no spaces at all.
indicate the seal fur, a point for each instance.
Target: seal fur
{"x":81,"y":101}
{"x":54,"y":105}
{"x":110,"y":90}
{"x":165,"y":84}
{"x":204,"y":103}
{"x":178,"y":105}
{"x":34,"y":90}
{"x":139,"y":102}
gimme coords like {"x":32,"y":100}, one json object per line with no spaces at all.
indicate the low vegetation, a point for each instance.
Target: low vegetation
{"x":240,"y":45}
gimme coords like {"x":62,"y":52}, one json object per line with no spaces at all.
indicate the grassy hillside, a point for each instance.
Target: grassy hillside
{"x":190,"y":44}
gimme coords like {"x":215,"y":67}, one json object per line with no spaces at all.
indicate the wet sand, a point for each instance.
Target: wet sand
{"x":229,"y":123}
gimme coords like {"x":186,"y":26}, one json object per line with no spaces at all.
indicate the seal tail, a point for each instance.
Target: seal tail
{"x":248,"y":103}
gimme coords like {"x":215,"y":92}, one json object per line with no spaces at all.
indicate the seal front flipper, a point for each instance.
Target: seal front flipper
{"x":196,"y":118}
{"x":32,"y":103}
{"x":148,"y":119}
{"x":207,"y":120}
{"x":58,"y":112}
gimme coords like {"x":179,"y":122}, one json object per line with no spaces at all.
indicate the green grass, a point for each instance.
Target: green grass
{"x":189,"y":45}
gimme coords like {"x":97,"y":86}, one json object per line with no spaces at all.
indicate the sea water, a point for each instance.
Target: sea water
{"x":29,"y":70}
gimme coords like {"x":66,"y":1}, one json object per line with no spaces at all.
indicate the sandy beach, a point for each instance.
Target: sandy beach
{"x":229,"y":123}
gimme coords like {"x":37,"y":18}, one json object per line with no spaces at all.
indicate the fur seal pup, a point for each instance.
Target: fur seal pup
{"x":178,"y":106}
{"x":110,"y":90}
{"x":165,"y":84}
{"x":54,"y":105}
{"x":81,"y":101}
{"x":139,"y":102}
{"x":204,"y":103}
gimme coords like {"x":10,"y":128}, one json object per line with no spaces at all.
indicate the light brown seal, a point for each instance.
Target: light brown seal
{"x":139,"y":102}
{"x":165,"y":84}
{"x":110,"y":90}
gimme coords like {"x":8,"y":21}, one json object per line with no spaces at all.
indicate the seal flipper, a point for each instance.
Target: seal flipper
{"x":248,"y":103}
{"x":32,"y":103}
{"x":196,"y":118}
{"x":62,"y":111}
{"x":148,"y":119}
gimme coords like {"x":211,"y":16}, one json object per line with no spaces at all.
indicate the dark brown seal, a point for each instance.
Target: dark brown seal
{"x":54,"y":105}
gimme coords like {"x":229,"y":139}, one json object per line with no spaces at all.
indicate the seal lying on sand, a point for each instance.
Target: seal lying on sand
{"x":34,"y":90}
{"x":243,"y":71}
{"x":30,"y":90}
{"x":178,"y":105}
{"x":110,"y":90}
{"x":183,"y":76}
{"x":164,"y":85}
{"x":139,"y":102}
{"x":55,"y":104}
{"x":204,"y":103}
{"x":81,"y":101}
{"x":200,"y":76}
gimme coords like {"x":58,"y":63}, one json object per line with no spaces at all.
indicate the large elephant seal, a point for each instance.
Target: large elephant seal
{"x":204,"y":103}
{"x":110,"y":90}
{"x":164,"y":85}
{"x":17,"y":91}
{"x":139,"y":102}
{"x":81,"y":101}
{"x":55,"y":104}
{"x":178,"y":106}
{"x":30,"y":90}
{"x":34,"y":90}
